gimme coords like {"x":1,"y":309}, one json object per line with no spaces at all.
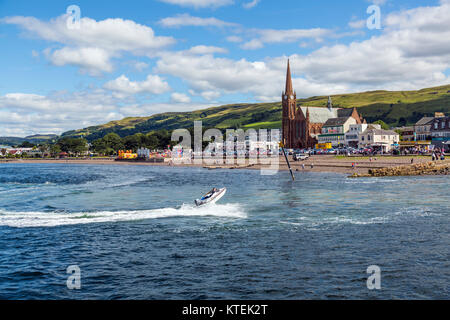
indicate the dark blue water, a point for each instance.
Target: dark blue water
{"x":135,"y":234}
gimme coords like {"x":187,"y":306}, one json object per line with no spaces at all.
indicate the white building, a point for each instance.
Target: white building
{"x":334,"y":130}
{"x":352,"y":135}
{"x":378,"y":139}
{"x":19,"y":151}
{"x":251,"y":142}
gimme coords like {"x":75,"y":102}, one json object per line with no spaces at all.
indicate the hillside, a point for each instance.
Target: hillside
{"x":393,"y":107}
{"x":36,"y":139}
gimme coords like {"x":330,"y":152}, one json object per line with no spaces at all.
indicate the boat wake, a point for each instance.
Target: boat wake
{"x":54,"y":219}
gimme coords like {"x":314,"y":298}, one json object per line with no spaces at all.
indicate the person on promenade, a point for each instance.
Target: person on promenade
{"x":412,"y":160}
{"x":312,"y":165}
{"x":303,"y":166}
{"x":433,"y":156}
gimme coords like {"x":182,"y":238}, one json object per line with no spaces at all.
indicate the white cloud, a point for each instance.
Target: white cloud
{"x":292,"y":35}
{"x":284,"y":36}
{"x":210,"y":95}
{"x":92,"y":46}
{"x":357,"y":24}
{"x":153,"y":84}
{"x":252,"y":45}
{"x":143,"y":110}
{"x":412,"y":52}
{"x":180,"y":98}
{"x":24,"y":114}
{"x":138,"y":65}
{"x":251,"y":4}
{"x":234,"y":39}
{"x":200,"y":3}
{"x":210,"y":75}
{"x":90,"y":60}
{"x":206,"y":50}
{"x":377,"y":2}
{"x":186,"y":19}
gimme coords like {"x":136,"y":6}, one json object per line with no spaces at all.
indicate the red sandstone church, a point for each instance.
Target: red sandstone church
{"x":301,"y":124}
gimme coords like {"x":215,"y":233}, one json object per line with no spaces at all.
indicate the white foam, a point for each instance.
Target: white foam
{"x":53,"y":219}
{"x":388,"y":217}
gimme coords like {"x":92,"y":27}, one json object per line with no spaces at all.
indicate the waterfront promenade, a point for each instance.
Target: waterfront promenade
{"x":320,"y":163}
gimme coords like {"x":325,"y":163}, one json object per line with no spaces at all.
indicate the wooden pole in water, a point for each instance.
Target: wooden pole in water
{"x":287,"y":161}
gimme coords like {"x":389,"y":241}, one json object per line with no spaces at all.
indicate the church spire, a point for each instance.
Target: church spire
{"x":289,"y":90}
{"x":330,"y":104}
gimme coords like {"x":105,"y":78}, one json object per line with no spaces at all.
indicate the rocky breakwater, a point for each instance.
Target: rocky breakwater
{"x":427,"y":168}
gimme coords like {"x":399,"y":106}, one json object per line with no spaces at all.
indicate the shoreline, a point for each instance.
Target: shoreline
{"x":318,"y":163}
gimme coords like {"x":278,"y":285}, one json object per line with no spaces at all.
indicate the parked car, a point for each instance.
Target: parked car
{"x":300,"y":157}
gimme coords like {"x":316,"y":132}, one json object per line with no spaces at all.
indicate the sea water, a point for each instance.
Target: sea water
{"x":135,"y":233}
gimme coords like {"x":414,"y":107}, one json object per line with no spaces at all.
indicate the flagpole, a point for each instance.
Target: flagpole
{"x":287,"y":161}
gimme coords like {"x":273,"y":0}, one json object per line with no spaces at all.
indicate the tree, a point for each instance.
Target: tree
{"x":113,"y":141}
{"x":402,"y":121}
{"x":73,"y":145}
{"x":100,"y":147}
{"x":27,"y":144}
{"x":55,"y":149}
{"x":383,"y":124}
{"x":150,"y":141}
{"x":163,"y":137}
{"x":44,"y":148}
{"x":134,"y":142}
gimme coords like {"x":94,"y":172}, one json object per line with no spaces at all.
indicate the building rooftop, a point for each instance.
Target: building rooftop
{"x":424,"y":121}
{"x":340,"y":121}
{"x":318,"y":114}
{"x":381,"y":132}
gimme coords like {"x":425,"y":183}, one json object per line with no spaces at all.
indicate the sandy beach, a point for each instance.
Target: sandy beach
{"x":322,"y":163}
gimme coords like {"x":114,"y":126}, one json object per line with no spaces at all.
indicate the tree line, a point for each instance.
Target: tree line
{"x":108,"y":145}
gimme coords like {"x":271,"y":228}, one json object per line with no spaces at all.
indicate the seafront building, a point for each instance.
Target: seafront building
{"x":334,"y":130}
{"x":422,"y":129}
{"x":253,"y":142}
{"x":379,"y":139}
{"x":302,"y":125}
{"x":407,"y":133}
{"x":32,"y":152}
{"x":428,"y":133}
{"x":355,"y":130}
{"x":440,"y":132}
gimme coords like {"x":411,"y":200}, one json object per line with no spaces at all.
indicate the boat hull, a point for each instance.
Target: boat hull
{"x":216,"y":197}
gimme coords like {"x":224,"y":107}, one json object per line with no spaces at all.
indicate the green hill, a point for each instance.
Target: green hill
{"x":35,"y":139}
{"x":393,"y":107}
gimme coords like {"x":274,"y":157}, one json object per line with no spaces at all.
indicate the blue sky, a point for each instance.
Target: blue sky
{"x":137,"y":58}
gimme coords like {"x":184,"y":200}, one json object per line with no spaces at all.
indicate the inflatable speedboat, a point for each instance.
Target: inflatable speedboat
{"x":211,"y":197}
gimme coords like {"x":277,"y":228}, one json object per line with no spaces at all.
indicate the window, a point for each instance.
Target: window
{"x":435,"y":125}
{"x":443,"y":124}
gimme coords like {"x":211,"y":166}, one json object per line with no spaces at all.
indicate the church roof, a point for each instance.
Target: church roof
{"x":345,"y":112}
{"x":318,"y":114}
{"x":380,"y":132}
{"x":340,"y":121}
{"x":424,"y":120}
